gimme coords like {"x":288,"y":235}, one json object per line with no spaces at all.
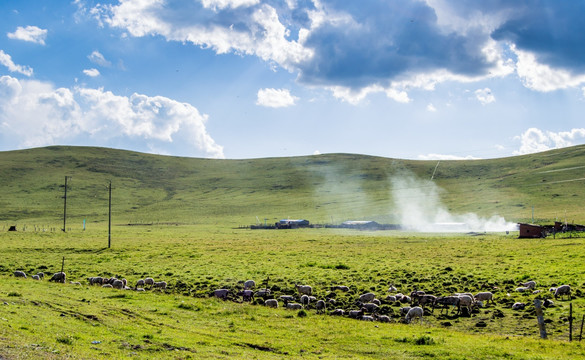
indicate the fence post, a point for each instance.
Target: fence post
{"x":540,"y":318}
{"x":581,"y":332}
{"x":571,"y":322}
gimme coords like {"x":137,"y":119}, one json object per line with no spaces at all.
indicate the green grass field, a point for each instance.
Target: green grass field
{"x":185,"y":215}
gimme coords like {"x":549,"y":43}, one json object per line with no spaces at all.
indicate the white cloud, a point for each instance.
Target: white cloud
{"x":484,"y":96}
{"x":91,"y":72}
{"x":446,"y":157}
{"x":431,"y":108}
{"x":316,"y":152}
{"x":6,"y":60}
{"x":535,"y":140}
{"x":223,"y":4}
{"x":97,"y":58}
{"x":30,"y":33}
{"x":275,"y":98}
{"x":36,"y":114}
{"x":541,"y":77}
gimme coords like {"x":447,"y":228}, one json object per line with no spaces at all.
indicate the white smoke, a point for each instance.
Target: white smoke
{"x":418,"y":207}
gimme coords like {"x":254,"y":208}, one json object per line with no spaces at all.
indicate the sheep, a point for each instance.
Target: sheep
{"x":160,"y":285}
{"x":140,"y":282}
{"x":423,"y":300}
{"x":356,"y":314}
{"x":404,"y":310}
{"x":536,"y":292}
{"x":305,"y":300}
{"x":262,"y":292}
{"x":377,"y":302}
{"x":392,"y":288}
{"x":338,"y":312}
{"x":529,"y":284}
{"x":36,"y":277}
{"x":415,"y":312}
{"x":370,"y":307}
{"x":20,"y":274}
{"x":446,"y":301}
{"x":382,"y":318}
{"x":41,"y":275}
{"x":149,"y":281}
{"x":367,"y":318}
{"x":107,"y":286}
{"x":118,"y":284}
{"x":59,"y":277}
{"x":390,"y":298}
{"x":399,"y":296}
{"x":367,"y":297}
{"x":552,"y":289}
{"x":249,"y":284}
{"x":139,"y":289}
{"x":221,"y":293}
{"x":522,"y":289}
{"x":563,"y":290}
{"x":75,"y":283}
{"x":287,"y":298}
{"x":484,"y":296}
{"x":518,"y":306}
{"x":405,"y":299}
{"x":320,"y":306}
{"x":304,"y":289}
{"x":294,"y":306}
{"x":340,"y":288}
{"x":465,"y":301}
{"x":247,"y":295}
{"x":273,"y":303}
{"x":125,"y":282}
{"x":548,"y":303}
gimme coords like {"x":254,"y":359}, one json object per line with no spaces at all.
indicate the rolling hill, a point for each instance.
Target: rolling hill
{"x":327,"y":188}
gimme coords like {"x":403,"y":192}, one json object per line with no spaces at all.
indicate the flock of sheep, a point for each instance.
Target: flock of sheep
{"x":367,"y":304}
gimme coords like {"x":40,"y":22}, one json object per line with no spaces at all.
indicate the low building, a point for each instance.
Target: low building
{"x":531,"y":231}
{"x":292,"y":224}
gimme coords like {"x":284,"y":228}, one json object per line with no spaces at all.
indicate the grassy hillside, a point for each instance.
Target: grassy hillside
{"x":323,"y":188}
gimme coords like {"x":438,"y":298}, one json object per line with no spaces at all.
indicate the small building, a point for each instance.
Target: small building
{"x":292,"y":224}
{"x":360,"y":224}
{"x":532,"y":231}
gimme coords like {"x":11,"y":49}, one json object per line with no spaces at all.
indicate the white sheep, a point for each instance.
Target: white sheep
{"x":139,"y":289}
{"x":140,"y":282}
{"x":118,"y":284}
{"x":262,"y":292}
{"x":377,"y":302}
{"x":75,"y":283}
{"x":247,"y":295}
{"x":390,"y":298}
{"x":305,"y":300}
{"x":249,"y":284}
{"x":41,"y":275}
{"x":356,"y":314}
{"x":149,"y":281}
{"x":563,"y":290}
{"x":338,"y":312}
{"x":370,"y":307}
{"x":304,"y":289}
{"x":529,"y":284}
{"x":367,"y":318}
{"x":294,"y":306}
{"x":484,"y":296}
{"x":382,"y":318}
{"x":518,"y":306}
{"x":59,"y":277}
{"x":465,"y":301}
{"x":392,"y":288}
{"x":287,"y":298}
{"x":20,"y":274}
{"x":340,"y":288}
{"x":415,"y":312}
{"x":36,"y":277}
{"x":404,"y":310}
{"x":522,"y":289}
{"x":221,"y":293}
{"x":367,"y":297}
{"x":273,"y":303}
{"x":160,"y":285}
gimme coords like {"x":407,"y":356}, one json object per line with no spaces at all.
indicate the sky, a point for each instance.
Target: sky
{"x":410,"y":79}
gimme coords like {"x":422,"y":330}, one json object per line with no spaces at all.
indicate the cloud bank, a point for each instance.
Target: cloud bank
{"x":34,"y":113}
{"x":536,"y":140}
{"x":32,"y":34}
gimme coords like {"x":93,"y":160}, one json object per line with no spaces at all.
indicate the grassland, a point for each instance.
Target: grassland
{"x":186,"y":214}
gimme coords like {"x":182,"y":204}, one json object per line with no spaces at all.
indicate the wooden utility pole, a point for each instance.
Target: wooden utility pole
{"x":110,"y":215}
{"x":65,"y":206}
{"x":540,"y":318}
{"x":581,"y":332}
{"x":571,"y":322}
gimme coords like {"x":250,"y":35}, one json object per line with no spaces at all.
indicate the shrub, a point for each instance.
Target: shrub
{"x":302,"y":313}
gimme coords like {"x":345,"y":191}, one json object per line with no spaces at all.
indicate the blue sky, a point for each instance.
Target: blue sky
{"x":434,"y":79}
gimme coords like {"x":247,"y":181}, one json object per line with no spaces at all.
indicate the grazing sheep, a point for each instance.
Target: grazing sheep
{"x":367,"y":318}
{"x":382,"y":318}
{"x":484,"y":296}
{"x":140,"y":282}
{"x":340,"y":288}
{"x":149,"y":281}
{"x":423,"y":300}
{"x":273,"y":303}
{"x":522,"y":289}
{"x":139,"y":289}
{"x":118,"y":284}
{"x":294,"y":306}
{"x":563,"y":290}
{"x":304,"y":289}
{"x":404,"y":310}
{"x":405,"y":299}
{"x":287,"y":298}
{"x":367,"y":297}
{"x":320,"y":306}
{"x":392,"y":288}
{"x":107,"y":286}
{"x":59,"y":277}
{"x":75,"y":283}
{"x":41,"y":275}
{"x":390,"y":298}
{"x":416,"y":293}
{"x":548,"y":303}
{"x":415,"y":312}
{"x":20,"y":274}
{"x":338,"y":312}
{"x":160,"y":285}
{"x":446,"y":301}
{"x":377,"y":302}
{"x":221,"y":293}
{"x":356,"y":314}
{"x":305,"y":300}
{"x":465,"y":301}
{"x":536,"y":292}
{"x":125,"y":282}
{"x":36,"y":277}
{"x":529,"y":284}
{"x":249,"y":284}
{"x":399,"y":296}
{"x":262,"y":292}
{"x":518,"y":306}
{"x":95,"y":280}
{"x":247,"y":295}
{"x":552,"y":289}
{"x":370,"y":307}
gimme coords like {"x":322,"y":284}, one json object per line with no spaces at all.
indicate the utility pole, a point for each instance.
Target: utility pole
{"x":65,"y":206}
{"x":110,"y":215}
